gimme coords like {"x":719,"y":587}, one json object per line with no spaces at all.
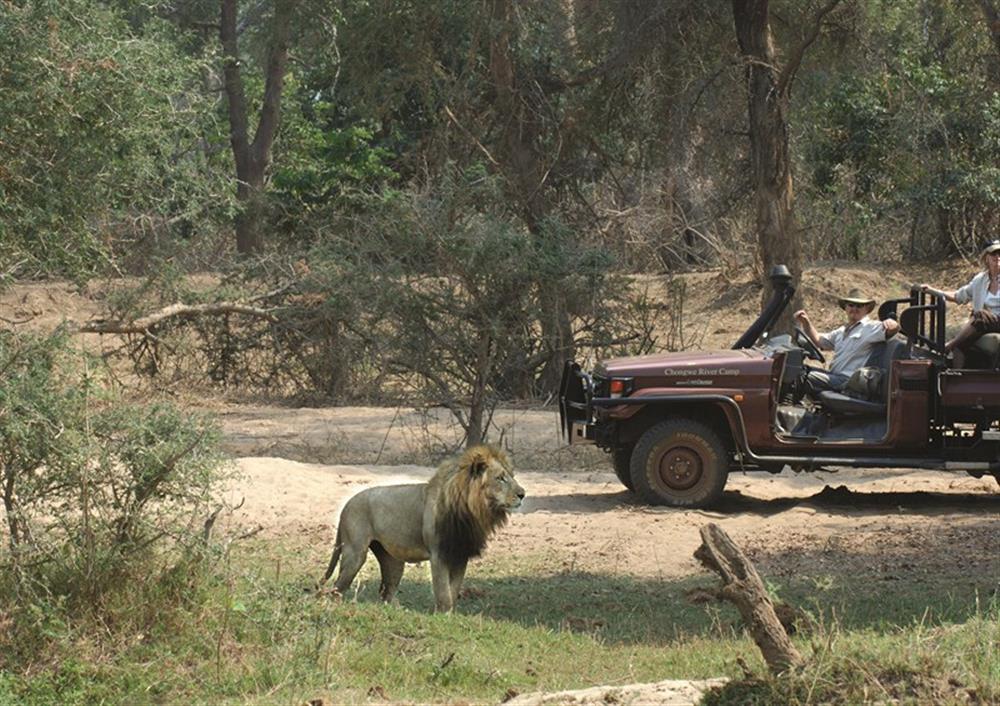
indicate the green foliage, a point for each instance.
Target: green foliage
{"x":325,"y":164}
{"x":104,"y":134}
{"x":337,"y":166}
{"x":909,"y":142}
{"x":96,"y":492}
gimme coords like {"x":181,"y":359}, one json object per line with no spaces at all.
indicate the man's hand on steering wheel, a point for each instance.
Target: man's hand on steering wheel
{"x":805,"y":343}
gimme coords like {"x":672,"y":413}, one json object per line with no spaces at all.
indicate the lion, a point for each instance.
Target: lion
{"x":447,"y":520}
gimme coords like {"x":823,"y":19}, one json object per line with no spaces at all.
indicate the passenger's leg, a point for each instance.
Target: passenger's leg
{"x":966,"y":335}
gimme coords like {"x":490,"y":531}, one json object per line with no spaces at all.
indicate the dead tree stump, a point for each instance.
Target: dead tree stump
{"x":742,"y":586}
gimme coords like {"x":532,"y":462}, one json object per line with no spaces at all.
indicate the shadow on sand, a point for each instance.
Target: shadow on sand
{"x":833,"y":500}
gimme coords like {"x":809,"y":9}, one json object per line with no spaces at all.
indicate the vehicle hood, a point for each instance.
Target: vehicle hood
{"x":704,"y":362}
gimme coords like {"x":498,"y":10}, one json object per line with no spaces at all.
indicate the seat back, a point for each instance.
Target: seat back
{"x":869,"y":403}
{"x":875,"y":357}
{"x":883,"y":354}
{"x":871,"y":381}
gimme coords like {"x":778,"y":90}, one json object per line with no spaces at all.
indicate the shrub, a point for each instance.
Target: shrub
{"x":98,"y":493}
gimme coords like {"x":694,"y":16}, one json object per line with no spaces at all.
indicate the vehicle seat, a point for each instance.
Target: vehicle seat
{"x":881,"y":357}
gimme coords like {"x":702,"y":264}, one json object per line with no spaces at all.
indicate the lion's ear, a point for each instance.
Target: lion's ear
{"x":477,"y":462}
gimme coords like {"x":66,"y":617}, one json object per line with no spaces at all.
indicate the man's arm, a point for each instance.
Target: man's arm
{"x":807,"y":327}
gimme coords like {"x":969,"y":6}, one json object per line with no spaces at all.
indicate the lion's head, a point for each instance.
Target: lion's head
{"x":477,"y":492}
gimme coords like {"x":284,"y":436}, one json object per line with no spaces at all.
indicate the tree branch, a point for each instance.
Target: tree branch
{"x":277,"y":60}
{"x":795,"y":58}
{"x":742,"y":585}
{"x":143,"y":324}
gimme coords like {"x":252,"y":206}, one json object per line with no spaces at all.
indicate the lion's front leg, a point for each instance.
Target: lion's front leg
{"x":457,"y":575}
{"x":444,"y":600}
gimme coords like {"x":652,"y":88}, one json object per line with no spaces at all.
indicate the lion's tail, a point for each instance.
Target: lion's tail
{"x":333,"y":563}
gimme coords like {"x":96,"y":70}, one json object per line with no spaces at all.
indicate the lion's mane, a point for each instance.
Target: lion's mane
{"x":465,"y":515}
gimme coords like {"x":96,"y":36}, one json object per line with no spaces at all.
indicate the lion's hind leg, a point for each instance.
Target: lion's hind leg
{"x":351,"y":560}
{"x":392,"y":571}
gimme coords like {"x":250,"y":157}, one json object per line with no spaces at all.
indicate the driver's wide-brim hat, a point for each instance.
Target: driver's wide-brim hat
{"x":855,"y":296}
{"x":990,"y":246}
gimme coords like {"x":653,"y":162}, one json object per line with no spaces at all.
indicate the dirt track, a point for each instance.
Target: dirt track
{"x":578,"y":514}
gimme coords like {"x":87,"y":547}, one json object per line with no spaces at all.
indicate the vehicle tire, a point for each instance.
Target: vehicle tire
{"x":681,"y":463}
{"x":621,"y":457}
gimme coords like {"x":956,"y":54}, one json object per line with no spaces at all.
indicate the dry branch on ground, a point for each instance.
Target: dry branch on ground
{"x":742,"y":585}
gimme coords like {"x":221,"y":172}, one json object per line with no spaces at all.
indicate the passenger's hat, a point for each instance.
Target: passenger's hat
{"x":990,"y":246}
{"x":856,"y":297}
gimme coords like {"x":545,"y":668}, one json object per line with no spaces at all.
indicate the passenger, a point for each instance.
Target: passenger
{"x":851,"y":343}
{"x":984,"y":293}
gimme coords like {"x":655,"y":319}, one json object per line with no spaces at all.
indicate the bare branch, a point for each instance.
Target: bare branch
{"x":143,"y":324}
{"x":468,"y":133}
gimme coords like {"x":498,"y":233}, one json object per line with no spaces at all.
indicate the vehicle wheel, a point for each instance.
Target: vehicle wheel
{"x":621,"y":456}
{"x":680,"y":462}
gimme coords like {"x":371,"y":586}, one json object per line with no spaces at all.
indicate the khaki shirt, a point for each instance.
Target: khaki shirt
{"x":851,"y":349}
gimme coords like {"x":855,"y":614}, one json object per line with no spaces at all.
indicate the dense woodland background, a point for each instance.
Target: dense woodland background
{"x":439,"y":199}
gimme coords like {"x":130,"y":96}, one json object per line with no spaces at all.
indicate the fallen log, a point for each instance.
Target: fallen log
{"x":143,"y":324}
{"x":742,"y":586}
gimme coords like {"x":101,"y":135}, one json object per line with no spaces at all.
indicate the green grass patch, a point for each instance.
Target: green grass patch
{"x":252,"y":634}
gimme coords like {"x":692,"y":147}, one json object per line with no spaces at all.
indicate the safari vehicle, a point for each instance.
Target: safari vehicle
{"x":676,"y":424}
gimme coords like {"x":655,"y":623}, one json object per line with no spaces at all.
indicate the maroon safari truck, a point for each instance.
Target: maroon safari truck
{"x":676,"y":424}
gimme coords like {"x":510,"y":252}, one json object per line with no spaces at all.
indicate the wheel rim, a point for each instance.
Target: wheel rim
{"x":680,"y":468}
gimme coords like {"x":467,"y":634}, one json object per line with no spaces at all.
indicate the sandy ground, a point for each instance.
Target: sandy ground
{"x":583,"y":517}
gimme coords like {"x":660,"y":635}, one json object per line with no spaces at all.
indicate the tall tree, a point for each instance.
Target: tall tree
{"x":524,"y":164}
{"x":100,"y":159}
{"x":253,"y":156}
{"x":768,"y":99}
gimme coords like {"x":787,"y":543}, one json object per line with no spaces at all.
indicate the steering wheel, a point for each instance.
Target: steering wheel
{"x":805,"y":343}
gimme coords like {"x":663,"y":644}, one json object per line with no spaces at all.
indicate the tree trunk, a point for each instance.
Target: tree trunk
{"x":253,"y":157}
{"x":770,"y":162}
{"x":741,"y":584}
{"x":525,"y":169}
{"x":475,"y":431}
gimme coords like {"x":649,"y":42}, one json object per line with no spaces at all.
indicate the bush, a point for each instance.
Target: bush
{"x":98,"y":494}
{"x":103,"y":159}
{"x":437,"y":297}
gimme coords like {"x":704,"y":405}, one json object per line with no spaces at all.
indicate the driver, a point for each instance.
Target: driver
{"x":851,"y":343}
